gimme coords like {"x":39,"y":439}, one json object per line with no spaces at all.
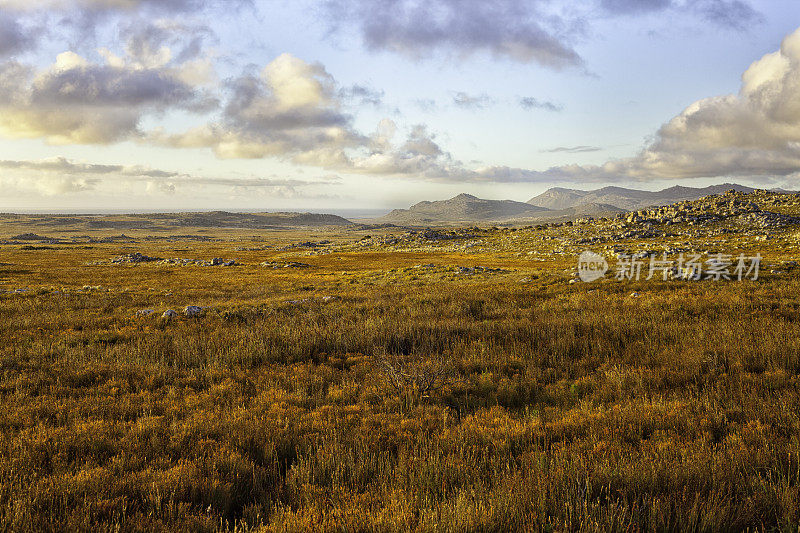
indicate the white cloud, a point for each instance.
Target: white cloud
{"x":291,"y":109}
{"x":60,"y":176}
{"x":75,"y":101}
{"x":753,"y":133}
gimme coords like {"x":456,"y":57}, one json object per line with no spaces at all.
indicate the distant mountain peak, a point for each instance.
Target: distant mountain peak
{"x":463,"y":208}
{"x":627,"y":199}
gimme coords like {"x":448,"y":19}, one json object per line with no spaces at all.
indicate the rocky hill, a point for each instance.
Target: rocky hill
{"x":627,"y":199}
{"x":463,"y":208}
{"x":758,"y":208}
{"x":466,"y":209}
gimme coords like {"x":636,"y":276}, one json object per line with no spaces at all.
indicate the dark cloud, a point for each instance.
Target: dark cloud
{"x":506,"y":28}
{"x":420,"y":142}
{"x":361,"y":95}
{"x":145,"y":40}
{"x":107,"y":86}
{"x":529,"y":102}
{"x":15,"y":38}
{"x":78,"y":21}
{"x":634,"y":7}
{"x":468,"y":101}
{"x":734,"y":14}
{"x":72,"y":7}
{"x":77,"y":102}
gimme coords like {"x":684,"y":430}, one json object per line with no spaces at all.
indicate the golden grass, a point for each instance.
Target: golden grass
{"x":563,"y":407}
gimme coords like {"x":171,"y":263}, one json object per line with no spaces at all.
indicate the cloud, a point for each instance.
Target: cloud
{"x":169,"y":6}
{"x":155,"y":43}
{"x":74,"y":101}
{"x":752,"y":134}
{"x":468,"y":101}
{"x":519,"y":31}
{"x":14,"y":38}
{"x":292,"y":108}
{"x":633,"y":7}
{"x":529,"y":102}
{"x":426,"y":105}
{"x":59,"y":176}
{"x":572,"y":149}
{"x":79,"y":22}
{"x":61,"y":165}
{"x":731,"y":14}
{"x":418,"y":156}
{"x":361,"y":95}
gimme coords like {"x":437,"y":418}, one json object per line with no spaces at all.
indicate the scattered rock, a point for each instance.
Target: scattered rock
{"x":145,"y":312}
{"x":135,"y":257}
{"x":34,"y":237}
{"x":290,"y":264}
{"x":192,"y":311}
{"x":468,"y":271}
{"x":138,"y":257}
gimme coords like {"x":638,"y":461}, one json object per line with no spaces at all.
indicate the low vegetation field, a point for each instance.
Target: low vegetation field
{"x":375,"y":384}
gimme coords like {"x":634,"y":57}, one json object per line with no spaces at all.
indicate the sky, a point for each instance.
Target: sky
{"x":332,"y":105}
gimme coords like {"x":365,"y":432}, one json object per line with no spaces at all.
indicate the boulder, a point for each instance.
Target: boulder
{"x":145,"y":312}
{"x":169,"y":313}
{"x":192,"y":311}
{"x":136,"y":257}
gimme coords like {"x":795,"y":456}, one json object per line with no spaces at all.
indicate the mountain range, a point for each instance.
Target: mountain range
{"x":627,"y":199}
{"x":556,"y":204}
{"x":466,"y":209}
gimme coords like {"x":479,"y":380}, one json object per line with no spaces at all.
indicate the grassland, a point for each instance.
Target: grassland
{"x":382,"y":388}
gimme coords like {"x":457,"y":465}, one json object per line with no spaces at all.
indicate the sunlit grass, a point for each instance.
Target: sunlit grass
{"x":563,"y":407}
